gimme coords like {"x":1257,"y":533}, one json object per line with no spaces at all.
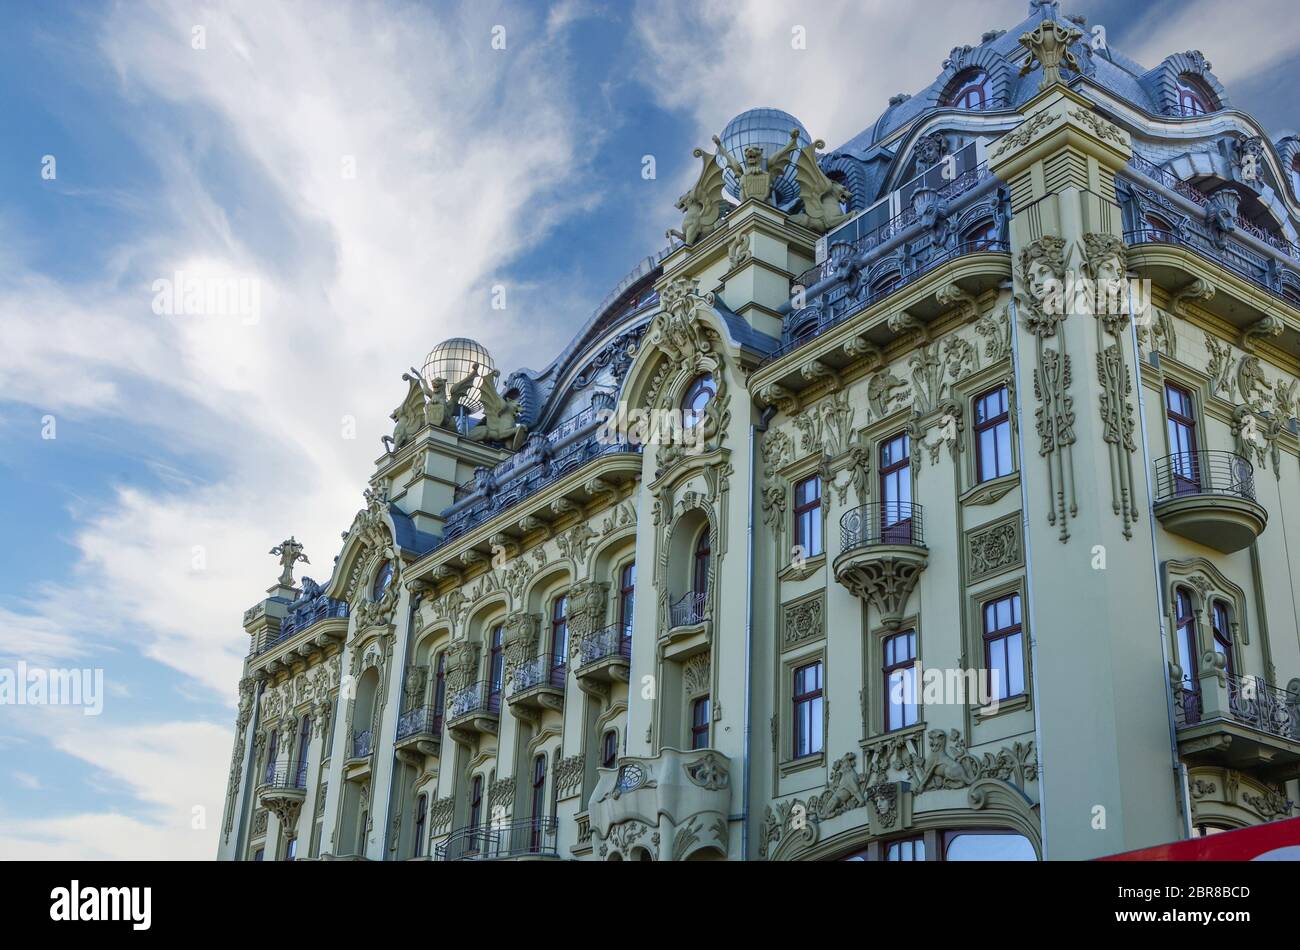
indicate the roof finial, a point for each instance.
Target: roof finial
{"x":1049,"y":46}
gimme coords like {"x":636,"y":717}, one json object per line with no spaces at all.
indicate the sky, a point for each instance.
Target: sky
{"x":365,"y":174}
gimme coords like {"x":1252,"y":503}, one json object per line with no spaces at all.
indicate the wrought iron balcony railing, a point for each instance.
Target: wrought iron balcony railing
{"x":481,"y":698}
{"x":614,"y":640}
{"x":688,"y":610}
{"x":287,"y":778}
{"x":419,"y":720}
{"x":362,"y":744}
{"x":300,"y":618}
{"x":888,"y":522}
{"x":543,"y":670}
{"x":1204,"y":473}
{"x":1251,"y":702}
{"x":837,"y":304}
{"x":530,"y":836}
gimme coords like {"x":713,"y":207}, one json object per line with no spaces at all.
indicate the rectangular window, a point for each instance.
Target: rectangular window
{"x":1223,"y":636}
{"x":475,"y":811}
{"x":609,"y":750}
{"x":808,"y":516}
{"x":559,"y":640}
{"x":896,"y":491}
{"x":900,"y":680}
{"x":627,"y":598}
{"x":700,"y":723}
{"x":1180,"y":422}
{"x":539,"y":803}
{"x":909,"y":849}
{"x":421,"y":816}
{"x":496,"y":666}
{"x":1004,"y":647}
{"x":807,"y":699}
{"x":992,"y":435}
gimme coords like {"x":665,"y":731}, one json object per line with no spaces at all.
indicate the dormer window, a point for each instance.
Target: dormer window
{"x":1192,"y":98}
{"x":383,"y":578}
{"x":969,"y":92}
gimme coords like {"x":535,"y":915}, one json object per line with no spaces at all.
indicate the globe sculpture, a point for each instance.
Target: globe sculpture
{"x":453,"y":360}
{"x":769,"y":129}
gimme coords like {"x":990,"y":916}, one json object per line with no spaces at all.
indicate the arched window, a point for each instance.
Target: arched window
{"x":698,"y":395}
{"x":969,"y":91}
{"x":382,"y":579}
{"x":981,"y":236}
{"x":883,"y":285}
{"x":626,"y":598}
{"x":421,"y":819}
{"x":439,"y":690}
{"x":304,"y":739}
{"x":700,"y":723}
{"x":559,"y":638}
{"x":1157,"y":228}
{"x":1223,"y":635}
{"x":1185,"y":645}
{"x":700,"y":575}
{"x":539,"y":802}
{"x":1193,"y":98}
{"x":272,"y":750}
{"x":496,"y":666}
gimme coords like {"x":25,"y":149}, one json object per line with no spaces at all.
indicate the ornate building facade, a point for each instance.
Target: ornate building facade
{"x":930,"y":498}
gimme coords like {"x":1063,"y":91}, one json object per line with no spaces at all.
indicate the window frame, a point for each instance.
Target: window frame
{"x":1002,"y":634}
{"x":809,"y":514}
{"x":559,"y":636}
{"x":697,"y":729}
{"x":421,"y":822}
{"x":626,"y":597}
{"x":701,"y":563}
{"x":496,"y":660}
{"x":908,"y":666}
{"x":809,"y":706}
{"x":608,"y":750}
{"x":993,"y":424}
{"x":701,"y":384}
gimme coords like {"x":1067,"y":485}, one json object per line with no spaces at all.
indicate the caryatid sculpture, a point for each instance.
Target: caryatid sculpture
{"x":1049,"y":46}
{"x":290,"y":553}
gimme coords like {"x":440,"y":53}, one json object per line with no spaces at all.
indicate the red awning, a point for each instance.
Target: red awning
{"x":1275,"y":841}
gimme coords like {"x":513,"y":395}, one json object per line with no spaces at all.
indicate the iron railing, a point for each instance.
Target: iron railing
{"x":1204,"y":473}
{"x":299,"y":619}
{"x":419,"y":720}
{"x":1251,"y":702}
{"x":614,"y":640}
{"x":362,"y":743}
{"x":689,"y":609}
{"x":887,"y":522}
{"x":530,"y":836}
{"x":481,"y":698}
{"x":290,"y":778}
{"x":545,"y":669}
{"x":843,"y":306}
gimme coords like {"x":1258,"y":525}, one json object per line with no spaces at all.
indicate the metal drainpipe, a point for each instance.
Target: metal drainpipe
{"x":1161,"y":608}
{"x":1029,"y":573}
{"x":749,"y":628}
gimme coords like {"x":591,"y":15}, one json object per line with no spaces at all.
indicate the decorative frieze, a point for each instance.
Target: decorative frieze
{"x":803,"y":620}
{"x":995,"y":549}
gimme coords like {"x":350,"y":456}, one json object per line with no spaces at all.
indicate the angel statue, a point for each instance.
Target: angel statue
{"x":289,"y":553}
{"x":754,"y":181}
{"x":822,"y":198}
{"x":701,"y":207}
{"x":499,"y":414}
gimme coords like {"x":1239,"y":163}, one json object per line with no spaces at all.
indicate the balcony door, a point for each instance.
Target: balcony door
{"x":1185,"y":645}
{"x":496,"y":667}
{"x":896,"y":491}
{"x":1180,"y":422}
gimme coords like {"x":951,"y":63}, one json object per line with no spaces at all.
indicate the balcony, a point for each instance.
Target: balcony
{"x":538,"y":685}
{"x":669,"y":807}
{"x":1209,"y":498}
{"x":605,"y":657}
{"x":474,"y":710}
{"x":1241,"y":722}
{"x":283,"y":791}
{"x":276,"y":649}
{"x":530,"y":838}
{"x":419,"y":730}
{"x":688,"y":629}
{"x":882,"y":553}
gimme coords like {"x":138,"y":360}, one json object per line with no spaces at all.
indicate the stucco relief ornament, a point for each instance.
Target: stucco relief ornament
{"x":1049,"y":46}
{"x":675,"y":331}
{"x":442,"y":405}
{"x":701,"y":207}
{"x":1042,"y":273}
{"x":756,"y":181}
{"x":290,"y":553}
{"x":823,"y":199}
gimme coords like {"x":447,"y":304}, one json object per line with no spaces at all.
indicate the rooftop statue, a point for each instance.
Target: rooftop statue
{"x":1049,"y":46}
{"x":701,"y":207}
{"x":441,"y":407}
{"x":409,"y":416}
{"x":755,"y":182}
{"x":822,"y":197}
{"x":499,"y":414}
{"x":290,"y":553}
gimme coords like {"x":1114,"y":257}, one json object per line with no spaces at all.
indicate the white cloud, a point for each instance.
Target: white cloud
{"x":458,"y":152}
{"x":1235,"y":37}
{"x":717,"y":59}
{"x":27,"y":780}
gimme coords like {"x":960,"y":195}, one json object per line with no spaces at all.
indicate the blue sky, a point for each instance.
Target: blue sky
{"x":187,"y":445}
